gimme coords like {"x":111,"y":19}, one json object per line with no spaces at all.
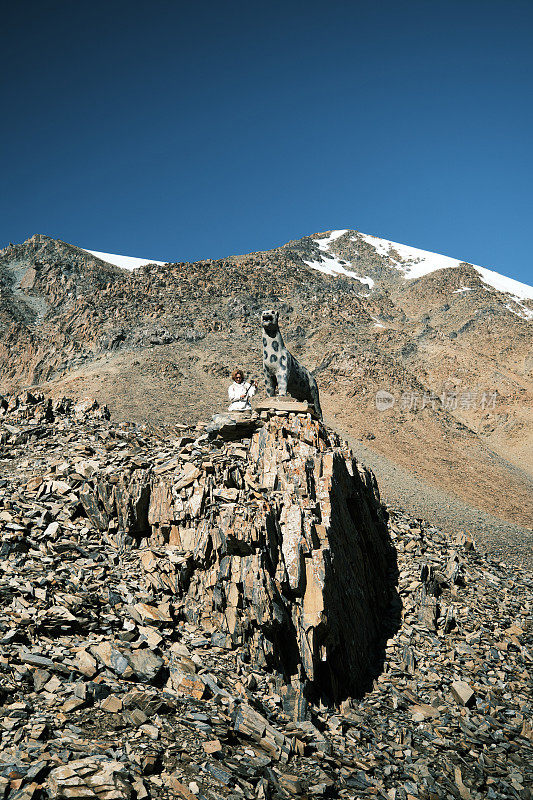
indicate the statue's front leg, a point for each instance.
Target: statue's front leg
{"x":283,"y":377}
{"x":270,"y":383}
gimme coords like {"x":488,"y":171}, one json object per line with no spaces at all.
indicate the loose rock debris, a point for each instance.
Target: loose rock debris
{"x":111,"y":687}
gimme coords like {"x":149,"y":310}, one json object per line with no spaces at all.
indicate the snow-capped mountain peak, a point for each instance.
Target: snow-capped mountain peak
{"x":412,"y":263}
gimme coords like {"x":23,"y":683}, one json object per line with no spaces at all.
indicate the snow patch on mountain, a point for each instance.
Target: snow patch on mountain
{"x":125,"y":262}
{"x":330,"y":264}
{"x":415,"y":262}
{"x":520,"y":310}
{"x":504,"y":284}
{"x":326,"y":241}
{"x":462,"y":289}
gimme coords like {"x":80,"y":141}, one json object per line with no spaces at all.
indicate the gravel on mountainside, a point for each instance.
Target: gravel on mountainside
{"x":401,"y":490}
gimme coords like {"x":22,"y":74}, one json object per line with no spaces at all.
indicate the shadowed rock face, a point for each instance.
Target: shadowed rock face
{"x":277,"y":545}
{"x":335,"y":553}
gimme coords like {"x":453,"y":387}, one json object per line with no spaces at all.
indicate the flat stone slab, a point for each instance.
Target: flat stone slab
{"x":232,"y":424}
{"x":284,"y":404}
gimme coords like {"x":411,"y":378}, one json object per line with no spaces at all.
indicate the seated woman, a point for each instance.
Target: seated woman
{"x":239,"y":392}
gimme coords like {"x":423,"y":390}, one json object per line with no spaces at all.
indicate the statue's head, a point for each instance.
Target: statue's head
{"x":269,"y":320}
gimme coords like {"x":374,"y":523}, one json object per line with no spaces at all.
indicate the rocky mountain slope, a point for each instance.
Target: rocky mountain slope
{"x":452,"y":350}
{"x":173,"y":621}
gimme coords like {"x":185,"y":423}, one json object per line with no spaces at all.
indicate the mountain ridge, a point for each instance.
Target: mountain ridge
{"x":413,"y":257}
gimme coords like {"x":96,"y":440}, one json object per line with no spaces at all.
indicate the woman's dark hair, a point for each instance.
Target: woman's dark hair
{"x":237,"y":372}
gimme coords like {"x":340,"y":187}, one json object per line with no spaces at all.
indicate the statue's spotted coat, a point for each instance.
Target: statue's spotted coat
{"x":281,"y":370}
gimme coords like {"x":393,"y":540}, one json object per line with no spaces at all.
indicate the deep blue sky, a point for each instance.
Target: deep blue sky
{"x":187,"y":130}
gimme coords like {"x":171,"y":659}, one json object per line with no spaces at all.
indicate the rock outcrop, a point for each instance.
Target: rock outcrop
{"x":275,"y":543}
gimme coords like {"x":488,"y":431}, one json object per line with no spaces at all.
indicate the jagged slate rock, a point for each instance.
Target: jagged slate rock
{"x":26,"y":792}
{"x":146,"y":665}
{"x":263,"y":790}
{"x":36,"y":660}
{"x":249,"y":722}
{"x":132,"y":500}
{"x":188,"y":475}
{"x":112,"y":704}
{"x":408,"y":662}
{"x":213,"y":747}
{"x":135,"y":717}
{"x":139,"y":490}
{"x":37,"y":771}
{"x":184,"y":664}
{"x":186,"y":684}
{"x":89,"y":500}
{"x":422,"y":711}
{"x":61,"y":595}
{"x":140,"y":790}
{"x":219,"y":639}
{"x":51,"y":530}
{"x":213,"y":686}
{"x":454,"y":571}
{"x":293,"y":545}
{"x":149,"y":701}
{"x":314,"y":737}
{"x":85,"y":663}
{"x":463,"y":693}
{"x":141,"y":664}
{"x":428,"y":608}
{"x":40,"y":677}
{"x":180,"y":789}
{"x":318,"y":790}
{"x":83,"y":407}
{"x":450,"y":621}
{"x":152,"y":614}
{"x":220,"y":774}
{"x":72,"y":704}
{"x":323,"y":536}
{"x":294,"y":701}
{"x":291,"y":783}
{"x":89,"y":778}
{"x":360,"y":781}
{"x":111,"y":657}
{"x":99,"y":690}
{"x":106,"y":495}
